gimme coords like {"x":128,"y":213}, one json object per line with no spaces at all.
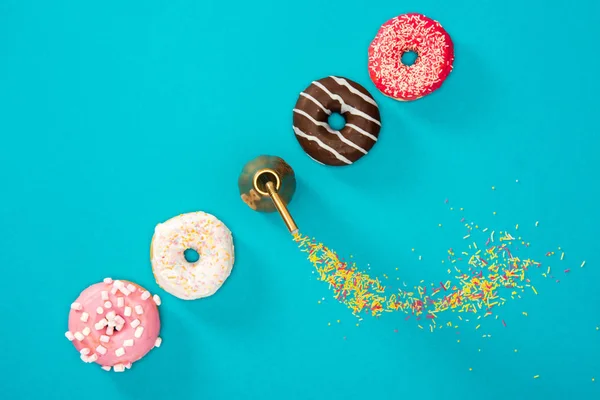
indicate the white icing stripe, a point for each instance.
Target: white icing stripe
{"x":323,"y":145}
{"x":308,"y":96}
{"x":346,"y":107}
{"x":359,"y":130}
{"x":336,"y":133}
{"x":343,"y":82}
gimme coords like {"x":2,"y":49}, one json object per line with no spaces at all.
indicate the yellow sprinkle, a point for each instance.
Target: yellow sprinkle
{"x":536,"y":376}
{"x":582,"y":264}
{"x":470,"y":369}
{"x":517,"y":227}
{"x":533,"y":287}
{"x":329,"y":324}
{"x":338,"y":321}
{"x":458,"y":341}
{"x":357,"y":324}
{"x":494,"y":212}
{"x":516,"y":351}
{"x":537,"y":223}
{"x":477,"y":327}
{"x":420,"y":327}
{"x":562,"y":256}
{"x":593,"y":379}
{"x":461,"y":209}
{"x":525,"y":314}
{"x":440,"y":225}
{"x":493,"y":187}
{"x":412,"y":249}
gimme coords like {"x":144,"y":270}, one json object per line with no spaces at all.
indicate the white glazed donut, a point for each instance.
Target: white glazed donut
{"x":205,"y":234}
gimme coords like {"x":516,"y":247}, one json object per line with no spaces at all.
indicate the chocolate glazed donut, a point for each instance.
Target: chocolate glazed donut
{"x":336,"y":95}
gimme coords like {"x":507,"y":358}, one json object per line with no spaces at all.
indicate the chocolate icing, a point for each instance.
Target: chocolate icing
{"x":336,"y":95}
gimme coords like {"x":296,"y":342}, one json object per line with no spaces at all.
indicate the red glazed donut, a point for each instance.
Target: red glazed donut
{"x":410,"y":32}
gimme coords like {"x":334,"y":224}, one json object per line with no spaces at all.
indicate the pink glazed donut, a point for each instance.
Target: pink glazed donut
{"x":410,"y":32}
{"x":114,"y":324}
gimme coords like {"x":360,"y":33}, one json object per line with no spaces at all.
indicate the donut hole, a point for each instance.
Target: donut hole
{"x":409,"y":57}
{"x":336,"y":121}
{"x":191,"y":255}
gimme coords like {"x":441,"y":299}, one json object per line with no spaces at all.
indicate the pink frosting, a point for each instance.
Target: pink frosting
{"x":91,"y":299}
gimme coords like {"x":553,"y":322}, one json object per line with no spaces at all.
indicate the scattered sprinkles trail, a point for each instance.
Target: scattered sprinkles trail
{"x":481,"y":279}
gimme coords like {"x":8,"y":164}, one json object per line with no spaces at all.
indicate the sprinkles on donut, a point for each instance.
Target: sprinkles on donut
{"x":405,"y":33}
{"x":198,"y":231}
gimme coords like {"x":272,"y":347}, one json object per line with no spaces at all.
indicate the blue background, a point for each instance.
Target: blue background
{"x":115,"y":116}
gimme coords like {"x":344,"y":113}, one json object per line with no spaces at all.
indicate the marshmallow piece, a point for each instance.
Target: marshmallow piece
{"x":108,"y":304}
{"x":131,"y":288}
{"x":120,"y":352}
{"x":120,"y":302}
{"x":128,"y":365}
{"x":125,"y":291}
{"x":86,"y":331}
{"x":84,"y":317}
{"x":85,"y":351}
{"x":101,"y":350}
{"x":105,"y":367}
{"x":104,"y":295}
{"x":84,"y":358}
{"x":108,"y":280}
{"x":128,"y":343}
{"x":69,"y":336}
{"x":145,"y":295}
{"x":138,"y":332}
{"x":79,"y":336}
{"x":119,"y":320}
{"x":76,"y":306}
{"x":111,"y":315}
{"x":119,"y":368}
{"x":118,"y":284}
{"x":103,"y":322}
{"x":139,"y":310}
{"x":158,"y":342}
{"x":110,"y":330}
{"x":135,"y":323}
{"x":93,"y":358}
{"x":100,"y":310}
{"x":104,"y":339}
{"x":114,"y":290}
{"x":157,"y":300}
{"x":127,"y":311}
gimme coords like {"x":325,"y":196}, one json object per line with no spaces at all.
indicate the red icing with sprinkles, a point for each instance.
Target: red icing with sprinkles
{"x":410,"y":32}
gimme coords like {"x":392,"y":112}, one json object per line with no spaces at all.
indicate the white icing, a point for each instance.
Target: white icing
{"x":343,"y":82}
{"x":321,"y":144}
{"x":205,"y":234}
{"x":337,"y":133}
{"x":346,"y":107}
{"x":361,"y":131}
{"x":321,"y":106}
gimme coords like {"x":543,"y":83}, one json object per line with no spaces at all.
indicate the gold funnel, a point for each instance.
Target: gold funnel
{"x":267,"y":184}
